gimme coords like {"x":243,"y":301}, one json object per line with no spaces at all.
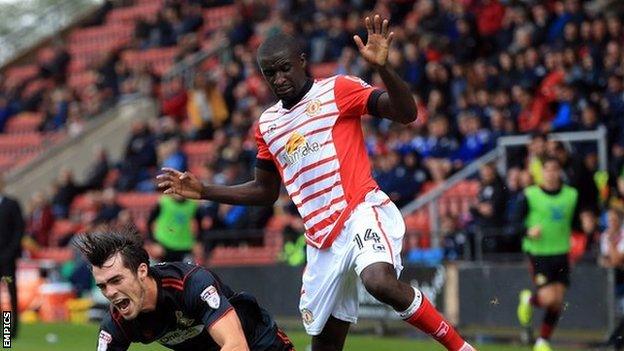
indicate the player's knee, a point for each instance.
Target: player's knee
{"x":380,"y":284}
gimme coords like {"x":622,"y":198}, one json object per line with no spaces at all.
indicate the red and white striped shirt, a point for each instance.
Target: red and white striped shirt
{"x":318,"y":148}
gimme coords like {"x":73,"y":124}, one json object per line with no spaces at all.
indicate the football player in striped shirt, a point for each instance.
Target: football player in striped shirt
{"x":311,"y":141}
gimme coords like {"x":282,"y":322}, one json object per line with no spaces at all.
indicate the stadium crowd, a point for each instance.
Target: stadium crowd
{"x":479,"y":70}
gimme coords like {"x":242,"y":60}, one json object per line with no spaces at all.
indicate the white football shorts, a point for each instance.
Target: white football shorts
{"x":373,"y":233}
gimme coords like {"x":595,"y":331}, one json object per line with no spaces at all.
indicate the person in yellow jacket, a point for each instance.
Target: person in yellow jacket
{"x":206,"y":107}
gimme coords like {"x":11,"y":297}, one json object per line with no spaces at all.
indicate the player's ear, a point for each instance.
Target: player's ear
{"x":303,"y":60}
{"x":142,"y":271}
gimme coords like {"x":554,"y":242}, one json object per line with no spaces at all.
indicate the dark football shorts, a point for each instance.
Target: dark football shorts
{"x":550,"y":269}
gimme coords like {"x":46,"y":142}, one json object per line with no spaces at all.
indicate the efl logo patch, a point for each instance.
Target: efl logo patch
{"x":540,"y":279}
{"x":211,"y":296}
{"x":442,"y":330}
{"x":103,"y":340}
{"x":307,"y":316}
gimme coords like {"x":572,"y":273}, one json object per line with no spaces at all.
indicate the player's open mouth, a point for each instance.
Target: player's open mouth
{"x":122,"y":305}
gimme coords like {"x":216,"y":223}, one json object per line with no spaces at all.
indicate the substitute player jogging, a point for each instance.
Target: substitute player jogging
{"x":548,"y":211}
{"x":312,"y":142}
{"x":179,"y":305}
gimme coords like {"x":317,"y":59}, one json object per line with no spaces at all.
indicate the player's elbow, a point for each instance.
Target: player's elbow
{"x":268,"y":197}
{"x":407,"y":115}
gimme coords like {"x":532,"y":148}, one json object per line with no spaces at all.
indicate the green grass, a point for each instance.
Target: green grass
{"x":73,"y":337}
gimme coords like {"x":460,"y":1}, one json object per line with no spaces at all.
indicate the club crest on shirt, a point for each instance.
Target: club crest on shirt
{"x":313,"y":107}
{"x":211,"y":296}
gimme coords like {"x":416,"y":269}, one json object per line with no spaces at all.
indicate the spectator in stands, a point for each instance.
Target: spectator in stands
{"x":398,"y":177}
{"x":476,"y":140}
{"x":489,"y":212}
{"x":11,"y":232}
{"x":174,"y":100}
{"x":170,"y":230}
{"x":98,"y":170}
{"x":56,"y":67}
{"x":109,"y":209}
{"x":172,"y":155}
{"x":206,"y":108}
{"x":40,"y":219}
{"x":437,"y":148}
{"x":514,"y":227}
{"x":577,"y":175}
{"x":66,"y":191}
{"x":139,"y":158}
{"x":454,"y":240}
{"x":536,"y":153}
{"x":57,"y":110}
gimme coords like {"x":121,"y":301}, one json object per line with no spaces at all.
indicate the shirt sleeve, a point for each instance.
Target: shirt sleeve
{"x":355,"y":97}
{"x":111,"y":338}
{"x":204,"y":297}
{"x":263,"y":148}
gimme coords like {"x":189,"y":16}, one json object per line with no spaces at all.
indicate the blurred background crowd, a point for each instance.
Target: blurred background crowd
{"x":479,"y":70}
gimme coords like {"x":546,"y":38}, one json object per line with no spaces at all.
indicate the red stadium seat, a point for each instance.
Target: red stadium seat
{"x":197,"y":152}
{"x":131,"y":14}
{"x":24,"y":122}
{"x":160,"y":59}
{"x":21,"y":73}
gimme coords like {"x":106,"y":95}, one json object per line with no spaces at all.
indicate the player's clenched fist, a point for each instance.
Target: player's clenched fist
{"x":378,"y":42}
{"x":185,"y":184}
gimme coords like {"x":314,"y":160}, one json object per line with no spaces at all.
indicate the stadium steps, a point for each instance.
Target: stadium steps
{"x":110,"y":130}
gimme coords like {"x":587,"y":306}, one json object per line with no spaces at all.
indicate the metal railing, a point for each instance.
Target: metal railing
{"x":499,"y":154}
{"x":599,"y":135}
{"x":187,"y":67}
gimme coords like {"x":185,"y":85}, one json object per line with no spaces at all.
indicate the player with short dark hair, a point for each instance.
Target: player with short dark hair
{"x":547,"y":210}
{"x":179,"y":305}
{"x":312,"y":141}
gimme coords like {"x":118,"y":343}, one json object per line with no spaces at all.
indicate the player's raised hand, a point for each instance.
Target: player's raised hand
{"x":375,"y":51}
{"x":185,"y":184}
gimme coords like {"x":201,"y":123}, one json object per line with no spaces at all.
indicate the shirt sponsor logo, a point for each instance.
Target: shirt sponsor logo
{"x":297,"y":147}
{"x":179,"y":336}
{"x":211,"y":296}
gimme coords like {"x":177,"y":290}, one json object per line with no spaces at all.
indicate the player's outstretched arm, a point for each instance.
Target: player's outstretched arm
{"x":397,"y":104}
{"x":262,"y":191}
{"x":228,"y":333}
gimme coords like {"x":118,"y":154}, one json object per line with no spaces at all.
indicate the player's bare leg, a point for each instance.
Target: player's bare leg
{"x":550,"y":298}
{"x":333,"y":336}
{"x":380,"y":281}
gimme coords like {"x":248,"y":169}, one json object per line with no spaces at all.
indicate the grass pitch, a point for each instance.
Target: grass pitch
{"x":73,"y":337}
